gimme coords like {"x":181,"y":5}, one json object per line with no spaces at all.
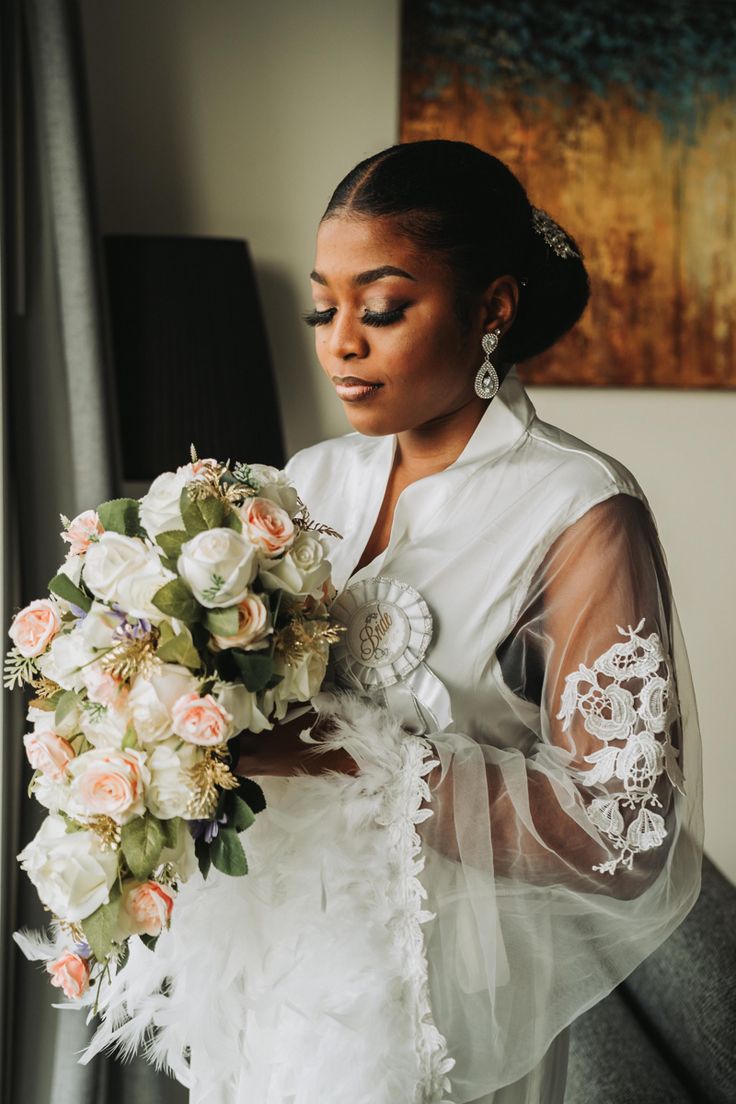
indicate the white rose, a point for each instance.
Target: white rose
{"x":275,"y":484}
{"x":71,"y":872}
{"x":183,"y":857}
{"x":113,"y":558}
{"x":300,"y":683}
{"x":150,"y":701}
{"x":242,"y":705}
{"x":107,"y":731}
{"x":51,"y":794}
{"x":218,"y":565}
{"x":43,"y":721}
{"x":135,"y":593}
{"x":300,"y":571}
{"x":108,"y":782}
{"x":169,"y":790}
{"x":159,"y":509}
{"x":64,"y":659}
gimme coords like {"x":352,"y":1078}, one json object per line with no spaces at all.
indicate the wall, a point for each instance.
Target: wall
{"x":237,"y":119}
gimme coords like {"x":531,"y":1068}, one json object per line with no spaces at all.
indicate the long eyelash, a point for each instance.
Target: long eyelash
{"x":318,"y":318}
{"x":383,"y":318}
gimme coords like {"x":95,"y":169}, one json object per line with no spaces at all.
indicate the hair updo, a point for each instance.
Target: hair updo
{"x":454,"y":199}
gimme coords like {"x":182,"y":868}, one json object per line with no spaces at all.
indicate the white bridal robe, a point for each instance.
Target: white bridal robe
{"x":393,"y":944}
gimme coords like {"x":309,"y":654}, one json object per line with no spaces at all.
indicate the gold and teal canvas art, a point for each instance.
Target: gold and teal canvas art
{"x":620,"y":120}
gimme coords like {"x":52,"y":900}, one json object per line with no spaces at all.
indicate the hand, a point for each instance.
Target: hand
{"x":279,"y":751}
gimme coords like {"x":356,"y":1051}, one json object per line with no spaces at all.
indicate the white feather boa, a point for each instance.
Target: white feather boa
{"x":306,"y":980}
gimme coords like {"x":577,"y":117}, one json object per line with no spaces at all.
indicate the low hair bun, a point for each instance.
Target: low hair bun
{"x":553,"y":293}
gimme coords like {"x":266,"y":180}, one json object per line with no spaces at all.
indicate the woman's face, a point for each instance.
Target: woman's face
{"x":385,"y":313}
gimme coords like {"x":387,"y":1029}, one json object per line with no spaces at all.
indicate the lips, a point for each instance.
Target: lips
{"x":354,"y":380}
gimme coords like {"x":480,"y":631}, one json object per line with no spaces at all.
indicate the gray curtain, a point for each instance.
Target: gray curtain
{"x":61,"y":453}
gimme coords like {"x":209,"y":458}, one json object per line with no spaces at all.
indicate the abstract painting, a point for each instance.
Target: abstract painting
{"x":620,"y":121}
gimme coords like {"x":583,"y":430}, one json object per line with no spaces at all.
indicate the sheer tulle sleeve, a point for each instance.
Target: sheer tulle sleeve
{"x":554,"y":871}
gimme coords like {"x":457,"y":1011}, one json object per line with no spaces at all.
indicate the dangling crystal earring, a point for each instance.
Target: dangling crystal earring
{"x":486,"y":379}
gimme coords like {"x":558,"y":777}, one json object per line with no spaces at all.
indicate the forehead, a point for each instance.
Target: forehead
{"x":349,"y":245}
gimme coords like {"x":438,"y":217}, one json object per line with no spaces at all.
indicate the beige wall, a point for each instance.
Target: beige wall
{"x":236,"y":119}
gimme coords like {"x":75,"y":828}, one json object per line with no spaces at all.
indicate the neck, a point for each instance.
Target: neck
{"x":436,"y":444}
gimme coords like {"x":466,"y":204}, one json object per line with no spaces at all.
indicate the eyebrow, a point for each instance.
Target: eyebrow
{"x":369,"y":277}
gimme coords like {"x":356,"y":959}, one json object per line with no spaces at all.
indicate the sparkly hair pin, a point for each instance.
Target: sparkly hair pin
{"x":553,"y":234}
{"x":554,"y":237}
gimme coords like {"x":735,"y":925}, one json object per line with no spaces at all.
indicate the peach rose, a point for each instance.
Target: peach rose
{"x":149,"y":907}
{"x":107,"y":782}
{"x":70,"y":973}
{"x":34,"y":627}
{"x":48,"y":752}
{"x":104,"y":688}
{"x":269,"y":527}
{"x":80,"y":531}
{"x":201,"y":720}
{"x":253,"y":625}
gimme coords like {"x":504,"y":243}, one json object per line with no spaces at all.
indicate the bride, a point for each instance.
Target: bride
{"x":491,"y":813}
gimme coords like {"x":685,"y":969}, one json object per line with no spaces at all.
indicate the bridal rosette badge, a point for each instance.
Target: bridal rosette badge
{"x":175,"y":622}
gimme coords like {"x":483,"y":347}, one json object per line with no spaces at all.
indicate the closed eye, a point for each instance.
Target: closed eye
{"x":370,"y":318}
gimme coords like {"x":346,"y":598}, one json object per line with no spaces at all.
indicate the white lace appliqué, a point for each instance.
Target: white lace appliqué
{"x":641,"y":718}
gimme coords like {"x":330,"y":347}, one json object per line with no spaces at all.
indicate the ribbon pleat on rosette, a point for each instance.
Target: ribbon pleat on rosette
{"x":382,"y":652}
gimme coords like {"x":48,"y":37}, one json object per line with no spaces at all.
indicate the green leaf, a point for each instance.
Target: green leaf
{"x":62,"y":585}
{"x":252,"y":794}
{"x":254,"y":668}
{"x":240,"y":816}
{"x":204,"y":856}
{"x":176,"y":599}
{"x":180,"y":649}
{"x":121,"y":515}
{"x":170,"y":829}
{"x":232,"y":521}
{"x":99,"y":928}
{"x":191,"y":515}
{"x":130,"y":739}
{"x":224,"y":622}
{"x":142,"y":840}
{"x":149,"y":940}
{"x":171,"y":541}
{"x":68,"y":701}
{"x":213,"y":512}
{"x":227,"y":853}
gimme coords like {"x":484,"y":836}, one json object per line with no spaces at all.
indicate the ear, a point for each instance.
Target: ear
{"x":500,"y":302}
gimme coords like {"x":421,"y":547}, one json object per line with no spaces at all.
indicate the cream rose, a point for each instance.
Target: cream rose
{"x":201,"y":721}
{"x":275,"y":484}
{"x":219,"y":565}
{"x":113,"y":559}
{"x":35,"y":626}
{"x":81,"y":531}
{"x":268,"y":526}
{"x":300,"y":683}
{"x":159,"y":508}
{"x":149,"y":907}
{"x":48,"y":752}
{"x":65,"y":658}
{"x":168,"y":792}
{"x":150,"y":701}
{"x":243,"y":705}
{"x":108,"y":782}
{"x":303,"y":570}
{"x":70,"y":973}
{"x":253,"y":625}
{"x":71,"y":872}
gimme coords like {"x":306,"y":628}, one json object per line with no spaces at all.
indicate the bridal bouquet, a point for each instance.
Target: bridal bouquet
{"x":176,"y":621}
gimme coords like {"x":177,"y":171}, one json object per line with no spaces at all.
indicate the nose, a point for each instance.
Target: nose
{"x":346,"y":340}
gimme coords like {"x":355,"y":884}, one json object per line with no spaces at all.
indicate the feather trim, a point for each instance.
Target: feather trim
{"x":307,"y":979}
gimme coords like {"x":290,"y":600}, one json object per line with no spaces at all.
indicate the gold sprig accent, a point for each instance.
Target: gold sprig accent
{"x":207,"y":485}
{"x":106,"y":830}
{"x":45,"y":687}
{"x":133,"y":656}
{"x":304,"y":520}
{"x":72,"y":929}
{"x":206,"y":778}
{"x":301,"y":636}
